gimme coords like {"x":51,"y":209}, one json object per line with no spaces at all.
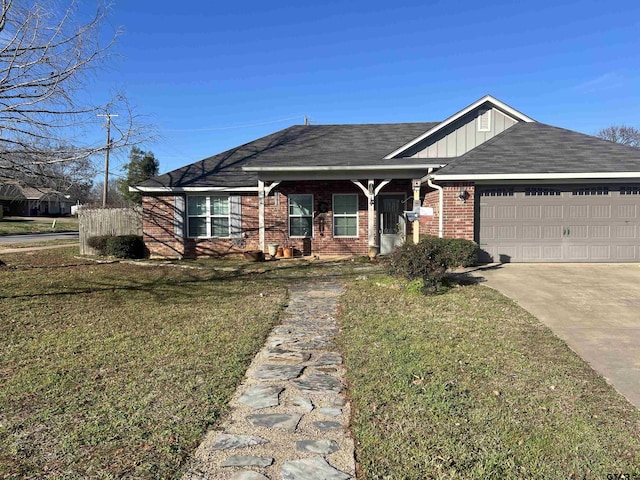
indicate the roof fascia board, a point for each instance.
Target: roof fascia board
{"x":342,"y":168}
{"x":487,"y":98}
{"x":192,"y":189}
{"x":537,"y":176}
{"x":344,"y":175}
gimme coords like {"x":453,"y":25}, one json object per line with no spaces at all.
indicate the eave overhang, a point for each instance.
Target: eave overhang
{"x":159,"y":189}
{"x":537,"y":176}
{"x":343,"y":168}
{"x":342,"y":172}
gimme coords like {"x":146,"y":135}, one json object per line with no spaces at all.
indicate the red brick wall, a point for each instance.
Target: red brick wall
{"x":458,"y":215}
{"x":158,"y":229}
{"x":159,"y":212}
{"x":322,"y":242}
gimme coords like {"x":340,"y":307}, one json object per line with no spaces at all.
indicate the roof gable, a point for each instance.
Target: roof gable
{"x":487,"y":102}
{"x":537,"y":148}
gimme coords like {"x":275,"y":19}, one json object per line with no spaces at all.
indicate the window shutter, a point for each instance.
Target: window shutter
{"x":178,"y":217}
{"x":235,"y":213}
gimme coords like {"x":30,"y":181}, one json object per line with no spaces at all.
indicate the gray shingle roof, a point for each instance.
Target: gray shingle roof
{"x":301,"y":145}
{"x":540,"y":148}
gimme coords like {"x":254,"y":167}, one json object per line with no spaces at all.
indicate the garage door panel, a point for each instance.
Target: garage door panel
{"x":532,"y":252}
{"x":488,"y":233}
{"x":487,"y":211}
{"x":625,"y":231}
{"x":600,"y":231}
{"x":578,"y":211}
{"x":627,"y":211}
{"x":600,"y":211}
{"x":507,"y":232}
{"x":552,"y":211}
{"x":530,"y":232}
{"x":578,"y":232}
{"x":626,"y":252}
{"x":529,"y":212}
{"x":552,"y":232}
{"x":506,"y":212}
{"x":600,"y":252}
{"x":552,"y":252}
{"x":578,"y":252}
{"x":577,"y":223}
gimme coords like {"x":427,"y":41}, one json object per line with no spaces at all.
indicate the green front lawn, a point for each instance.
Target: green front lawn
{"x":12,"y":226}
{"x":117,"y":370}
{"x":468,"y":385}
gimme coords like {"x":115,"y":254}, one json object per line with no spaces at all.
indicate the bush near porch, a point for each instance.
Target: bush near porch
{"x":429,"y":259}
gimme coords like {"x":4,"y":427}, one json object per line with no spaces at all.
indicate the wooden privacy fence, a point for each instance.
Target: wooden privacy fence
{"x":107,"y":221}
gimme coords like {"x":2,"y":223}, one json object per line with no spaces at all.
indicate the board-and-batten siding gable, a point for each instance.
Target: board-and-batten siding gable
{"x":462,"y":135}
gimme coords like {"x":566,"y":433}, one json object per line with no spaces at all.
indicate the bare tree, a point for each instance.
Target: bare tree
{"x":47,"y":56}
{"x":621,"y":134}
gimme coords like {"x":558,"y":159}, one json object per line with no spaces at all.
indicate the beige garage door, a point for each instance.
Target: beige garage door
{"x":563,"y":223}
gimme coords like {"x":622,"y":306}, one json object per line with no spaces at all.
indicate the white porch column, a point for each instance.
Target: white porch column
{"x":371,"y":192}
{"x":415,"y":183}
{"x":261,"y":235}
{"x":263,"y":193}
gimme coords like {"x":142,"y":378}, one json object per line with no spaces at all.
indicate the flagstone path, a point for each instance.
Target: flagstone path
{"x":289,"y":418}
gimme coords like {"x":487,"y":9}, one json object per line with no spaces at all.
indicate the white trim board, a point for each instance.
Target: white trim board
{"x":192,"y":189}
{"x":536,"y":176}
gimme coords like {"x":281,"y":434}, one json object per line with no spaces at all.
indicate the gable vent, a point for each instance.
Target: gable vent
{"x":484,"y":120}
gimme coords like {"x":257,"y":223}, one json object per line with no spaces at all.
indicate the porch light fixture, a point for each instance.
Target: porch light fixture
{"x":463,"y":195}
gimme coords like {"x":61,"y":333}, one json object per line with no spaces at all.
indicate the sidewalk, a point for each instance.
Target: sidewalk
{"x":289,"y":419}
{"x":31,"y":249}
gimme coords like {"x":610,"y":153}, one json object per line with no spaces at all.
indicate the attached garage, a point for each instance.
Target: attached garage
{"x":559,"y":223}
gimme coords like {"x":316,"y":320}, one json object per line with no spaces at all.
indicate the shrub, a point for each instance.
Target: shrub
{"x":126,"y":246}
{"x":422,"y":261}
{"x":99,"y":243}
{"x":430,"y":258}
{"x":121,"y":246}
{"x":457,"y":252}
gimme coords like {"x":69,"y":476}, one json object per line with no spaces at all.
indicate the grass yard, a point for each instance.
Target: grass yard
{"x":12,"y":226}
{"x":116,"y":370}
{"x":468,"y":385}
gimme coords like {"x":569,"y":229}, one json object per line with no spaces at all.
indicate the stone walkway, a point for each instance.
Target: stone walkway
{"x":289,"y":418}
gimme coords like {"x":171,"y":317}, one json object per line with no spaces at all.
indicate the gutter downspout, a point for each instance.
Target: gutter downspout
{"x":440,"y":203}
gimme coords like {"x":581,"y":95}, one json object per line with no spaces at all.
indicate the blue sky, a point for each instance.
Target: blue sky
{"x":204,"y":70}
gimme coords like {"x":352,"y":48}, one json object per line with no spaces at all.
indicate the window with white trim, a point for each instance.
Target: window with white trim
{"x":300,"y":216}
{"x":208,"y":216}
{"x":345,"y":215}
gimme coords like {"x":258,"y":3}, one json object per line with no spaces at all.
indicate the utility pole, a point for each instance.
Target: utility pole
{"x":105,"y":188}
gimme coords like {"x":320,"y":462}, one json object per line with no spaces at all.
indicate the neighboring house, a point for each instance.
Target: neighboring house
{"x":20,"y":200}
{"x":525,"y":191}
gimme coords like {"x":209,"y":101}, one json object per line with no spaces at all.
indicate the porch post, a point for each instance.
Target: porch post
{"x":261,"y":214}
{"x":263,"y":193}
{"x":371,"y":215}
{"x":371,"y":192}
{"x":415,"y":183}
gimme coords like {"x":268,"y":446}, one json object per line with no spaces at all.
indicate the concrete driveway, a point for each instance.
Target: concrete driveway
{"x":595,"y":308}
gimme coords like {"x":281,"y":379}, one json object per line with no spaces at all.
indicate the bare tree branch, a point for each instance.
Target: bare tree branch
{"x":621,"y":134}
{"x":48,"y":54}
